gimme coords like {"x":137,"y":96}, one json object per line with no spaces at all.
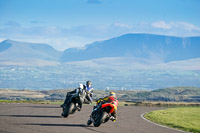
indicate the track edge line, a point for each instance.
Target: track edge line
{"x":142,"y":116}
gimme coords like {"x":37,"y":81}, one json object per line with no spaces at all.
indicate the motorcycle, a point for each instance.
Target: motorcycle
{"x":101,"y":114}
{"x":74,"y":102}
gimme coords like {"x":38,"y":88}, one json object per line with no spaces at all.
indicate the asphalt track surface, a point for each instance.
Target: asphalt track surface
{"x":44,"y":118}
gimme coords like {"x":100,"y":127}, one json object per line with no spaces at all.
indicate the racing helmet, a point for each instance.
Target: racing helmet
{"x":112,"y":94}
{"x":81,"y":86}
{"x":88,"y":83}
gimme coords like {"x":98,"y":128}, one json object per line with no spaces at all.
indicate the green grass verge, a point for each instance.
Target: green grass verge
{"x":184,"y":118}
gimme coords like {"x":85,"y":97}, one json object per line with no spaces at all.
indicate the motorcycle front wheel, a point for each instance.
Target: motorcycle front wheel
{"x":100,"y":120}
{"x":68,"y":110}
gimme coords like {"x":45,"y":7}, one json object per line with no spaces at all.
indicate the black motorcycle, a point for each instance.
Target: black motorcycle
{"x":101,"y":114}
{"x":74,"y":103}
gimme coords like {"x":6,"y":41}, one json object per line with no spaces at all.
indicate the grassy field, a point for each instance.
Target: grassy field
{"x":184,"y":118}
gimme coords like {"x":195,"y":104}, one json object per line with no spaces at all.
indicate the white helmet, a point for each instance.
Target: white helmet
{"x":81,"y":86}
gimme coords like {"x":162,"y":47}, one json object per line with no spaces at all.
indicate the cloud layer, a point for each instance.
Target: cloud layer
{"x":62,"y":38}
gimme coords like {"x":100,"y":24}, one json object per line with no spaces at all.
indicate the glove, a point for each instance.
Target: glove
{"x":99,"y":100}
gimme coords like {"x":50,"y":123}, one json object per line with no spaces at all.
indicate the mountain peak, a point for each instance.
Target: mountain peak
{"x":16,"y":50}
{"x":149,"y":46}
{"x":10,"y":41}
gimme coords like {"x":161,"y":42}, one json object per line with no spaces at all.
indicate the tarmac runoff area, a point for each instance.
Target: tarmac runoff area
{"x":46,"y":118}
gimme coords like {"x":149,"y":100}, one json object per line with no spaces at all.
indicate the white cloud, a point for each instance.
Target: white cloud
{"x":162,"y":25}
{"x":121,"y":25}
{"x":171,"y":25}
{"x":186,"y":26}
{"x":52,"y":30}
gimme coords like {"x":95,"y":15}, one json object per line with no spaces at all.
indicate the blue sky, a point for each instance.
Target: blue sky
{"x":75,"y":23}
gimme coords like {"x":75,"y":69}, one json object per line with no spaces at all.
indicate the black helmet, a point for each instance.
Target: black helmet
{"x":88,"y":83}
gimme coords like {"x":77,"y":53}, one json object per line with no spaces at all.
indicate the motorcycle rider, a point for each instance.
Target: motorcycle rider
{"x":111,"y":98}
{"x":89,"y":93}
{"x":69,"y":94}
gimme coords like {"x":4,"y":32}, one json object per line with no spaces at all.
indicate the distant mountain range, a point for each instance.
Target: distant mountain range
{"x":130,"y":62}
{"x":147,"y":46}
{"x":142,"y":48}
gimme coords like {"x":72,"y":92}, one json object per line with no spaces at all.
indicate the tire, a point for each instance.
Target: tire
{"x":68,"y":110}
{"x":100,"y":120}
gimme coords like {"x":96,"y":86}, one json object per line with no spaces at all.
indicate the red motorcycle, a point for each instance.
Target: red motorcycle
{"x":101,"y":114}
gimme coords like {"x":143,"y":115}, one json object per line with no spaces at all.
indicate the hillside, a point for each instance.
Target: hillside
{"x":178,"y":94}
{"x":147,"y":46}
{"x":137,"y":63}
{"x":187,"y":94}
{"x":138,"y":49}
{"x":15,"y":52}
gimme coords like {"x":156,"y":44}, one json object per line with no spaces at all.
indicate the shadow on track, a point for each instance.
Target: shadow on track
{"x":66,"y":125}
{"x":42,"y":106}
{"x":37,"y":116}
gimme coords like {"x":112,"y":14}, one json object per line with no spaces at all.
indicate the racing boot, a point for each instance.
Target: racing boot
{"x":112,"y":118}
{"x":89,"y":122}
{"x":78,"y":108}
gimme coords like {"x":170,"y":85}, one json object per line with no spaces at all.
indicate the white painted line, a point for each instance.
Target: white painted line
{"x":142,"y":116}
